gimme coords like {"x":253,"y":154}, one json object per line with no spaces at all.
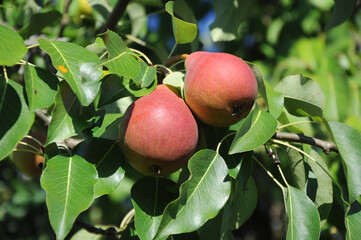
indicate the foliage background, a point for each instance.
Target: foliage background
{"x":282,"y":37}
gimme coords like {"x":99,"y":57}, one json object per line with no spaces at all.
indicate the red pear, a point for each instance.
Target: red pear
{"x":158,"y":133}
{"x":220,"y":88}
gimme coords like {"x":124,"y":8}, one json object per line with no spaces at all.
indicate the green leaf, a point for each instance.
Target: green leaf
{"x":303,"y":218}
{"x":97,"y":47}
{"x":341,"y":12}
{"x":175,"y":79}
{"x":184,"y":32}
{"x":40,"y":86}
{"x":229,"y":16}
{"x":283,"y":119}
{"x":218,"y":227}
{"x":150,"y":196}
{"x":292,"y":164}
{"x":319,"y":184}
{"x":197,"y":202}
{"x":137,"y":91}
{"x":303,"y":96}
{"x":353,"y":221}
{"x":79,"y":67}
{"x":107,"y":157}
{"x":38,"y":21}
{"x":146,"y":76}
{"x":107,"y":126}
{"x":274,"y":30}
{"x":258,"y":127}
{"x":68,"y":117}
{"x":83,"y":234}
{"x":15,"y":117}
{"x":69,"y":186}
{"x":243,"y":202}
{"x":348,"y":142}
{"x":12,"y":48}
{"x":273,"y":99}
{"x":112,"y":89}
{"x":136,"y":12}
{"x":239,"y":165}
{"x":120,"y":60}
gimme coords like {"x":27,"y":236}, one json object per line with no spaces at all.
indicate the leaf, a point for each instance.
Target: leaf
{"x":132,"y":87}
{"x":69,"y":186}
{"x":319,"y":184}
{"x":258,"y":127}
{"x":353,"y":221}
{"x":84,"y":234}
{"x":150,"y":196}
{"x":239,"y":165}
{"x":120,"y":60}
{"x":136,"y":12}
{"x":112,"y":89}
{"x":68,"y":117}
{"x":146,"y":76}
{"x":274,"y":30}
{"x":12,"y":45}
{"x":292,"y":164}
{"x":201,"y":196}
{"x":184,"y":32}
{"x":243,"y":202}
{"x":348,"y":142}
{"x":273,"y":99}
{"x":218,"y":227}
{"x":15,"y":117}
{"x":283,"y":119}
{"x":107,"y":157}
{"x":341,"y":12}
{"x":38,"y":21}
{"x":229,"y":16}
{"x":175,"y":79}
{"x":97,"y":47}
{"x":303,"y":218}
{"x":40,"y":86}
{"x":109,"y":127}
{"x":79,"y":67}
{"x":303,"y":96}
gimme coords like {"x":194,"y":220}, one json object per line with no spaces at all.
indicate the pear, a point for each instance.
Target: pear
{"x":29,"y":163}
{"x":219,"y":88}
{"x":158,"y":133}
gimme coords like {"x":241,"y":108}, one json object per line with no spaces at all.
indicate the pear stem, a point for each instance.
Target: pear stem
{"x":171,"y":60}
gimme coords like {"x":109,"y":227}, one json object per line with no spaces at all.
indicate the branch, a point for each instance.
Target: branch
{"x":111,"y":231}
{"x":41,"y":117}
{"x":115,"y":15}
{"x":327,"y":147}
{"x":65,"y":19}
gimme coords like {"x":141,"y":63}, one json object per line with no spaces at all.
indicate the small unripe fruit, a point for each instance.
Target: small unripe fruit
{"x":220,"y":88}
{"x":28,"y":163}
{"x":158,"y":133}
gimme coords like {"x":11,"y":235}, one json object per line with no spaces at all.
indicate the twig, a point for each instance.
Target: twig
{"x":127,"y":219}
{"x":115,"y":15}
{"x":269,"y":173}
{"x":111,"y":231}
{"x":327,"y":147}
{"x":65,"y":19}
{"x":42,"y":118}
